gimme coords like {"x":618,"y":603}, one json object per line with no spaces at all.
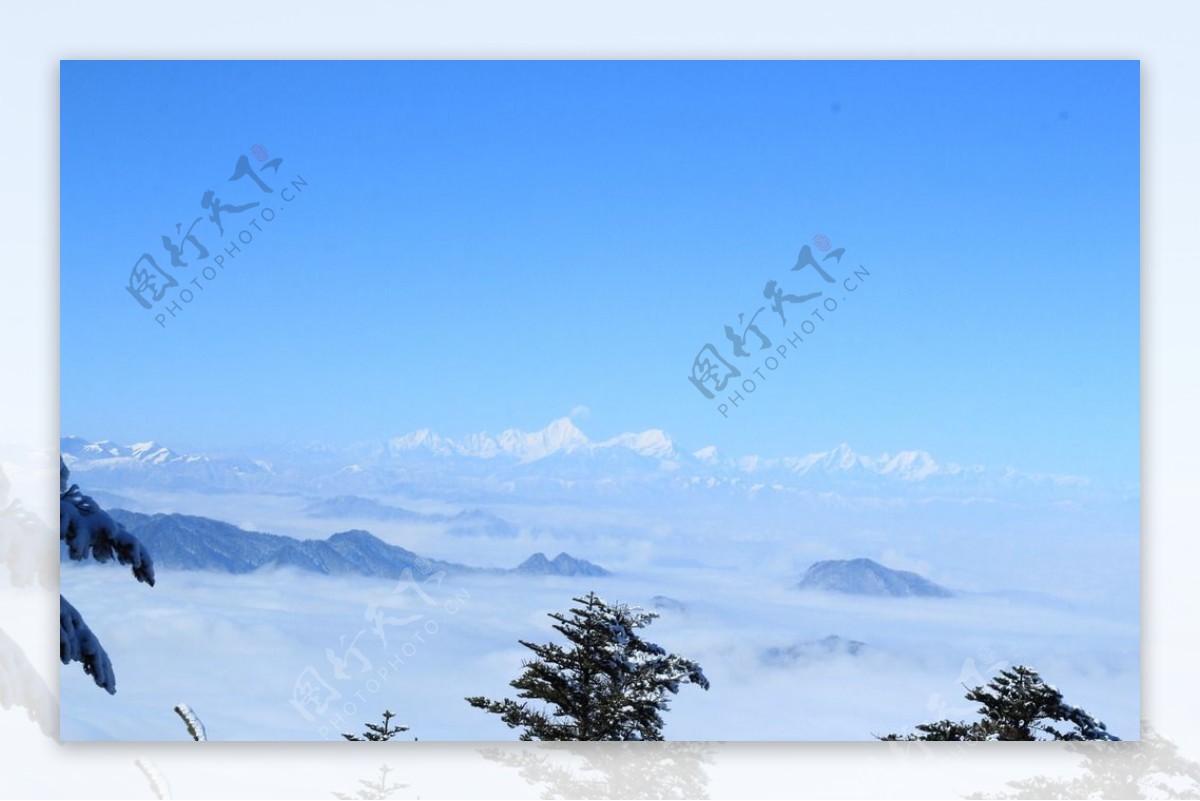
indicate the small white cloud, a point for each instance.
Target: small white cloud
{"x":579,"y":412}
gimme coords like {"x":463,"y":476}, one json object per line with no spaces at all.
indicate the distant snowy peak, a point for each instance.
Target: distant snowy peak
{"x":560,"y":437}
{"x":150,"y":452}
{"x":842,"y":457}
{"x":479,"y":445}
{"x":908,"y":465}
{"x":422,"y":439}
{"x":562,"y":565}
{"x":911,"y":465}
{"x":655,"y":443}
{"x":150,"y":464}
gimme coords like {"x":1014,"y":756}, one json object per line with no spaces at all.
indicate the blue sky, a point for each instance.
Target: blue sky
{"x":489,"y":245}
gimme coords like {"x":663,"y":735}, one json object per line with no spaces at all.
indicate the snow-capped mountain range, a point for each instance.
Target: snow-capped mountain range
{"x":557,"y":459}
{"x":560,"y":437}
{"x":563,"y":437}
{"x":104,"y":449}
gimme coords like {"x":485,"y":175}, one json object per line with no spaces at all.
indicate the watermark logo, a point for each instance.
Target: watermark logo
{"x":197,"y":251}
{"x":714,"y":375}
{"x":976,"y":671}
{"x":323,"y":701}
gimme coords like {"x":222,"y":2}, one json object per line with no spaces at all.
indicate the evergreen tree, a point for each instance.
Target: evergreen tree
{"x":1016,"y":705}
{"x":373,"y":790}
{"x":1149,"y":768}
{"x":618,"y":770}
{"x":376,"y":733}
{"x":607,"y":684}
{"x":88,"y":532}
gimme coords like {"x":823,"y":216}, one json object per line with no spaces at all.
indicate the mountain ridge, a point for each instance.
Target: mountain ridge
{"x":867,"y":577}
{"x":192,"y":542}
{"x":555,"y":462}
{"x":560,"y":438}
{"x":562,"y":565}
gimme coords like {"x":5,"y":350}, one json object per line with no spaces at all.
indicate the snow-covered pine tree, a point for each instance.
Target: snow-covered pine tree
{"x":620,"y":770}
{"x":1016,"y":705}
{"x":90,"y":533}
{"x":373,"y":790}
{"x":377,"y":733}
{"x":607,"y":684}
{"x":1149,"y":768}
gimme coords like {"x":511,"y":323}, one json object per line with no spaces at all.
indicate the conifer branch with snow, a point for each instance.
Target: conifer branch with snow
{"x":376,"y":732}
{"x":77,"y":643}
{"x":194,"y":726}
{"x":1016,"y":705}
{"x":158,"y":784}
{"x":90,"y":533}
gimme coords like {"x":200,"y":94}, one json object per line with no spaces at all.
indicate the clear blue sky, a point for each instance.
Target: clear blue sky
{"x":488,"y":245}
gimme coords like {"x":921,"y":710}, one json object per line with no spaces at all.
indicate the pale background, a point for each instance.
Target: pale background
{"x":35,"y":38}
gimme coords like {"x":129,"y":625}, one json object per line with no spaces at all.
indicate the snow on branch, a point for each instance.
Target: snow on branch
{"x":158,"y":784}
{"x":76,"y":643}
{"x":22,"y":685}
{"x":194,"y":726}
{"x":24,"y":547}
{"x":90,"y":533}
